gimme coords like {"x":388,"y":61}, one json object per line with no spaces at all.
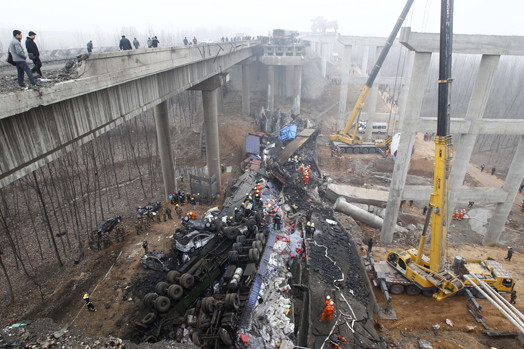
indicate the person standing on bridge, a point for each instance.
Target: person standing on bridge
{"x":19,"y":57}
{"x":90,"y":46}
{"x":155,"y":42}
{"x":33,"y":53}
{"x":493,"y":171}
{"x":194,"y":40}
{"x":136,"y":43}
{"x":125,"y":44}
{"x":185,"y":41}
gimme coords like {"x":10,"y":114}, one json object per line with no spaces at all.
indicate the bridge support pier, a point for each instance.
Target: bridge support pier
{"x":297,"y":89}
{"x":245,"y":89}
{"x":210,"y":89}
{"x":270,"y":88}
{"x":164,"y":147}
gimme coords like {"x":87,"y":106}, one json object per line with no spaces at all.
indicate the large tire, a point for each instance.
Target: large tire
{"x":219,"y":225}
{"x":162,"y":304}
{"x":161,"y":288}
{"x":251,"y":224}
{"x":428,"y":293}
{"x":232,"y":256}
{"x":187,"y":280}
{"x":261,"y":237}
{"x":258,"y":245}
{"x":232,"y":301}
{"x":396,"y":289}
{"x":149,"y":299}
{"x":172,"y":276}
{"x":237,"y":246}
{"x":258,"y":217}
{"x":225,"y":337}
{"x":209,"y":305}
{"x":365,"y":151}
{"x":241,"y":239}
{"x":149,"y":318}
{"x":254,"y":255}
{"x":175,"y":292}
{"x":372,"y":150}
{"x":412,"y":290}
{"x":195,"y":337}
{"x":356,"y":150}
{"x":231,"y":233}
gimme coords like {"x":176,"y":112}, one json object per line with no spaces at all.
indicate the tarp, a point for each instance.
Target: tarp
{"x":288,"y":133}
{"x":252,"y":144}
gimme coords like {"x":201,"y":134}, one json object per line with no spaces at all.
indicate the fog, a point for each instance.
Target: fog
{"x":66,"y":24}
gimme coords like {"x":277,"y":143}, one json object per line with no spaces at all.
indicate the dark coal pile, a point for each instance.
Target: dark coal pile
{"x":146,"y":284}
{"x":325,"y":267}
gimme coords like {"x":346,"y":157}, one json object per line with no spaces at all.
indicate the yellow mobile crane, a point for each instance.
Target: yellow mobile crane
{"x":409,"y":269}
{"x":351,"y":143}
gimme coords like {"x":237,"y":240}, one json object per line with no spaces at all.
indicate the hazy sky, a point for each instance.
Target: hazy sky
{"x":227,"y":17}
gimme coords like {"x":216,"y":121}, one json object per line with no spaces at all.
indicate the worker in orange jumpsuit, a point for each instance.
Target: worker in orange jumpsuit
{"x":336,"y":341}
{"x":308,"y":168}
{"x":306,"y":178}
{"x":301,"y":168}
{"x":328,"y":311}
{"x":191,"y":215}
{"x":461,"y":214}
{"x":456,"y":214}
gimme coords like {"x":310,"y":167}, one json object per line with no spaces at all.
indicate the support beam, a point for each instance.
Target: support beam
{"x":220,"y":100}
{"x":407,"y":139}
{"x":245,"y":89}
{"x":297,"y":89}
{"x":342,"y":101}
{"x":372,"y":102}
{"x":323,"y":59}
{"x":209,"y":99}
{"x":164,"y":147}
{"x":270,"y":88}
{"x":365,"y":59}
{"x":466,"y":142}
{"x":511,"y":186}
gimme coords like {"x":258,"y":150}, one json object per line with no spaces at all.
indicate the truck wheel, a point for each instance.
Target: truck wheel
{"x":232,"y":301}
{"x":162,"y":304}
{"x":237,"y":246}
{"x":251,"y":223}
{"x":161,"y":287}
{"x":241,"y":239}
{"x":253,"y":255}
{"x":412,"y":290}
{"x":365,"y":151}
{"x":149,"y":318}
{"x":219,"y":225}
{"x":209,"y":304}
{"x":175,"y":292}
{"x":261,"y":237}
{"x":372,"y":150}
{"x":231,"y":233}
{"x":356,"y":150}
{"x":225,"y":337}
{"x":396,"y":289}
{"x":428,"y":293}
{"x":232,"y":256}
{"x":172,"y":276}
{"x":347,"y":150}
{"x":196,"y":338}
{"x":257,"y":245}
{"x":187,"y":280}
{"x":149,"y":299}
{"x":258,"y":217}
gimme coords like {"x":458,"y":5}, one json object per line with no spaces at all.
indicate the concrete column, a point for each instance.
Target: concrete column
{"x":408,"y":125}
{"x":323,"y":59}
{"x":220,"y":100}
{"x":342,"y":101}
{"x":270,"y":88}
{"x":297,"y":89}
{"x":290,"y":81}
{"x":209,"y":99}
{"x":372,"y":103}
{"x":365,"y":59}
{"x":245,"y":89}
{"x":164,"y":147}
{"x":511,"y":186}
{"x":466,"y":142}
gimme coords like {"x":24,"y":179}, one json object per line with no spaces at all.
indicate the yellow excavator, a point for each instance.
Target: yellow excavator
{"x":411,"y":271}
{"x":351,"y":143}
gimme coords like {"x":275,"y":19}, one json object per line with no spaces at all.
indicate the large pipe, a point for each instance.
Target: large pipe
{"x":503,"y":303}
{"x":508,"y":316}
{"x":362,"y":215}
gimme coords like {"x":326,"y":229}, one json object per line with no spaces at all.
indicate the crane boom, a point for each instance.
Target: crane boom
{"x":344,"y":134}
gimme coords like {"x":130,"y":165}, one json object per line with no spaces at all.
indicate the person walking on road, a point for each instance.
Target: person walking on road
{"x":482,"y":167}
{"x":513,"y":299}
{"x":493,"y":171}
{"x":33,"y":53}
{"x":370,"y":245}
{"x":19,"y":57}
{"x":509,"y":255}
{"x":144,"y":245}
{"x":136,"y":43}
{"x":125,"y":44}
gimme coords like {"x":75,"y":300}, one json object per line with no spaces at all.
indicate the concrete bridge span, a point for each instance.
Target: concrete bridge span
{"x":38,"y":126}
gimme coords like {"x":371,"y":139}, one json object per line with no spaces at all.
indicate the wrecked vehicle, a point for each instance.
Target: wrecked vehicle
{"x":192,"y":241}
{"x":108,"y":225}
{"x":155,"y":261}
{"x":149,"y":208}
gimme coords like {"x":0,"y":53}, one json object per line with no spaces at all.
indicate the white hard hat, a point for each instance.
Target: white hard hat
{"x":328,"y":297}
{"x":331,"y":303}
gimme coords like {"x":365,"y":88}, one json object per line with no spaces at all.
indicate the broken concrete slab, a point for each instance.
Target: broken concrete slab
{"x":357,"y":194}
